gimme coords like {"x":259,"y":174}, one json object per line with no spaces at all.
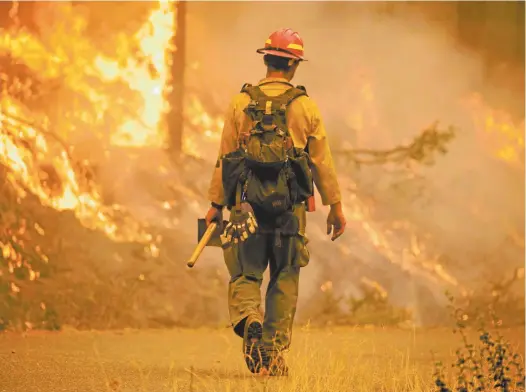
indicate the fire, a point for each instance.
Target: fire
{"x":413,"y":257}
{"x":503,"y":137}
{"x":154,"y":42}
{"x":198,"y":117}
{"x":26,"y":173}
{"x":66,"y":53}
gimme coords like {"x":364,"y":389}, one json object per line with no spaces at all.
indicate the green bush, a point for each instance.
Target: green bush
{"x":489,"y":365}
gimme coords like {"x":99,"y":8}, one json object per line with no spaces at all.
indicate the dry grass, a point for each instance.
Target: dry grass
{"x":204,"y":360}
{"x":346,"y":360}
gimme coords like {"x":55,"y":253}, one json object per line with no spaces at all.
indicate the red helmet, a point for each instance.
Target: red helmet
{"x":284,"y":43}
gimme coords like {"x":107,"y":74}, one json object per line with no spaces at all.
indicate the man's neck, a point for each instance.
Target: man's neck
{"x":277,"y":74}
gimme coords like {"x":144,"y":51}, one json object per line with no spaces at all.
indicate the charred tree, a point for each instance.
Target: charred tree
{"x":175,"y":116}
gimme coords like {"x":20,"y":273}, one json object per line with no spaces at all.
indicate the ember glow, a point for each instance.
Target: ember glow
{"x":503,"y":137}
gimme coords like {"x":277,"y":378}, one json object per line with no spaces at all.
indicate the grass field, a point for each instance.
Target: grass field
{"x":343,"y":359}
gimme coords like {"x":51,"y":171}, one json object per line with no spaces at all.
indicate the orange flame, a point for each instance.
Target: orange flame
{"x":60,"y":56}
{"x":154,"y":42}
{"x":503,"y":137}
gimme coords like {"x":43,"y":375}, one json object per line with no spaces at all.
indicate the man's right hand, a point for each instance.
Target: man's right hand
{"x":336,"y":221}
{"x":214,"y":214}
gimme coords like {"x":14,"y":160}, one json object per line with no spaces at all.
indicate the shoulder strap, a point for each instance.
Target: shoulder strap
{"x":264,"y":107}
{"x":291,"y":94}
{"x":276,"y":81}
{"x":255,"y":93}
{"x":245,"y":86}
{"x":302,"y":88}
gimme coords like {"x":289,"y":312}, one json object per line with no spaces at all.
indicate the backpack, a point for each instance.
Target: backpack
{"x":266,"y":170}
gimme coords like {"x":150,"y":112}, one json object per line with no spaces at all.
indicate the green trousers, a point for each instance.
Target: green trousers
{"x":247,"y":261}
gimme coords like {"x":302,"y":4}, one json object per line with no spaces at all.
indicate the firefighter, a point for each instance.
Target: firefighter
{"x":265,"y":338}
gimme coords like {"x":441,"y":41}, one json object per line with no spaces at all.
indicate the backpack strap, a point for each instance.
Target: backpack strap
{"x":245,"y":86}
{"x":286,"y":98}
{"x":281,"y":104}
{"x":263,"y":107}
{"x":258,"y":99}
{"x":291,"y":94}
{"x":301,"y":88}
{"x":254,"y":92}
{"x":258,"y":102}
{"x":276,"y":81}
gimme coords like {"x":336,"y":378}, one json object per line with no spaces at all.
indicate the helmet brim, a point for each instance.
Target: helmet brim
{"x":280,"y":53}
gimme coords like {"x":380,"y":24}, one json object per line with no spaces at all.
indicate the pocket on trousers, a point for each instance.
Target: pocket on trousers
{"x":233,"y":264}
{"x":302,"y":253}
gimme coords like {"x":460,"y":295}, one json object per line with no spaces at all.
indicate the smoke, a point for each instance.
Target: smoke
{"x":379,"y":79}
{"x":406,"y":59}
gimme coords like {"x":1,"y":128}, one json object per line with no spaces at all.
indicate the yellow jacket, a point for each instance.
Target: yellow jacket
{"x":305,"y":127}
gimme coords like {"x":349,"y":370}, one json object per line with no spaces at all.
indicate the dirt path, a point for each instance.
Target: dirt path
{"x":210,"y":360}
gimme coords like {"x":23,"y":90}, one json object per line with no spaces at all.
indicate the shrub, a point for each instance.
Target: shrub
{"x":490,"y":365}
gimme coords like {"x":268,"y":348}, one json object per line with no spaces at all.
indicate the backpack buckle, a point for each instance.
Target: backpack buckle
{"x":268,"y":119}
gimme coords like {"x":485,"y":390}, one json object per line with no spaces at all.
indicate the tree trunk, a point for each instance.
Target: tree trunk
{"x":176,"y":97}
{"x":519,"y":39}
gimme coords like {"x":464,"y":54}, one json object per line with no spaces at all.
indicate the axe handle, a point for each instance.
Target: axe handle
{"x":201,"y":245}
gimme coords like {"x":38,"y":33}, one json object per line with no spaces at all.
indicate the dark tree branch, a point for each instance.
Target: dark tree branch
{"x":421,"y":149}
